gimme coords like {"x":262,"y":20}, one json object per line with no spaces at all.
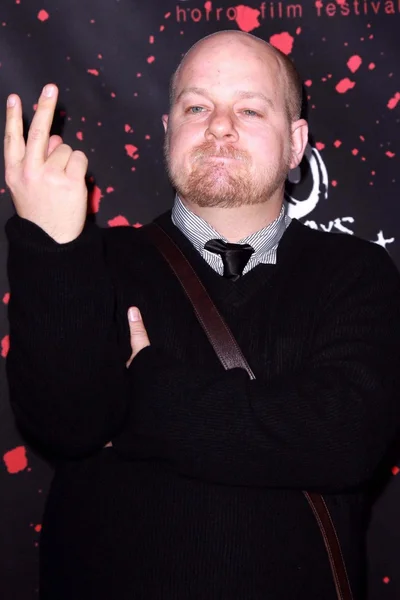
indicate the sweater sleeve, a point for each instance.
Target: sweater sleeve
{"x":66,"y":376}
{"x":324,"y":428}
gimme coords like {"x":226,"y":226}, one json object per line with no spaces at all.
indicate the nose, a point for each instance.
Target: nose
{"x":221,"y":126}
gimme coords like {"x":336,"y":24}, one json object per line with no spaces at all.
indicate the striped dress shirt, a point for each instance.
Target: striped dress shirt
{"x":199,"y":232}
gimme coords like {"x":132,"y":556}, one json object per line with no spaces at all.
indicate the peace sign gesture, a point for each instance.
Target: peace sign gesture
{"x":46,"y":177}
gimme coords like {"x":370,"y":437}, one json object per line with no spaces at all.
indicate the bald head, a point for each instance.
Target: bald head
{"x":258,"y":50}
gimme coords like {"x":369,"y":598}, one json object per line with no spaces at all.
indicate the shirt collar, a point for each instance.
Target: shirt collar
{"x":199,"y":232}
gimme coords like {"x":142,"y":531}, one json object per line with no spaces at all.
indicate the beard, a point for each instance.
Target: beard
{"x":225,"y":184}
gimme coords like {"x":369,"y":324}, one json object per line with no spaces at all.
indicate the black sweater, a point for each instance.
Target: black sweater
{"x":201,"y":495}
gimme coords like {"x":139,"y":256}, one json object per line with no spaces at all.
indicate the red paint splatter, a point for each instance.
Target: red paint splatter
{"x":15,"y":460}
{"x":298,"y":31}
{"x":395,"y":470}
{"x":35,"y":107}
{"x":79,"y":135}
{"x":386,"y":579}
{"x":371,"y":66}
{"x":94,"y":200}
{"x":113,"y":95}
{"x":5,"y":346}
{"x":355,"y":151}
{"x":308,"y":83}
{"x":137,"y":225}
{"x":319,"y":145}
{"x":147,"y":137}
{"x":282,"y":41}
{"x":390,"y":154}
{"x":138,"y":74}
{"x":393,"y":101}
{"x":128,"y":128}
{"x":119,"y":220}
{"x":38,"y":528}
{"x":337,"y":143}
{"x":130,"y":150}
{"x":43,"y":15}
{"x":109,"y":190}
{"x":93,"y":72}
{"x":151,"y":39}
{"x":6,"y":298}
{"x":334,"y":183}
{"x":354,"y":63}
{"x":247,"y":18}
{"x":167,"y":15}
{"x":362,"y":138}
{"x":100,"y":56}
{"x":344,"y":85}
{"x":151,"y":59}
{"x":162,"y":27}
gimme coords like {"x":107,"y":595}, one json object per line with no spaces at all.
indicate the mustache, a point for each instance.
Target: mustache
{"x":209,"y":149}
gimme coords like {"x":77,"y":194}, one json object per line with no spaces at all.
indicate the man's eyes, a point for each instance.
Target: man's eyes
{"x":249,"y":112}
{"x":195,"y":110}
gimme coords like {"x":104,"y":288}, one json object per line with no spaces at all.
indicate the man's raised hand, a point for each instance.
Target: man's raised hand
{"x":46,"y":177}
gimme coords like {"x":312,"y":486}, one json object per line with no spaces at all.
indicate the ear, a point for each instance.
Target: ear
{"x":299,"y":141}
{"x":165,"y":122}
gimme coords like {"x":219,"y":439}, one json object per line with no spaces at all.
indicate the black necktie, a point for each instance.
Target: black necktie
{"x":234,"y":256}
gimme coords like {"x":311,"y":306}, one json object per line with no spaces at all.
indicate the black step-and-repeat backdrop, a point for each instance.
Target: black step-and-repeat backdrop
{"x":112,"y":60}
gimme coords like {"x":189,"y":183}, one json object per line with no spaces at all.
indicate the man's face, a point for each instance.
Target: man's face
{"x":228,"y":139}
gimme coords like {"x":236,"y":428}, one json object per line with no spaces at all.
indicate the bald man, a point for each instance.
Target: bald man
{"x":176,"y":479}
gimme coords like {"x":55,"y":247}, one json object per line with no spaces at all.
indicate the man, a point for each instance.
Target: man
{"x":200,"y":494}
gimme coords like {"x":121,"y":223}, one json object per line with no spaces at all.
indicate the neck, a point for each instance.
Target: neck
{"x":237,"y":223}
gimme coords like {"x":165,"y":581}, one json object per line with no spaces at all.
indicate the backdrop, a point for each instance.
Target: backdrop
{"x":112,"y":60}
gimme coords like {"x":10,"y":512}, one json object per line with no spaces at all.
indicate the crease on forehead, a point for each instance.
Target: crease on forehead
{"x":262,"y":51}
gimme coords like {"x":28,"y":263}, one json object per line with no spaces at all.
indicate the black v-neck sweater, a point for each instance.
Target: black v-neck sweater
{"x":200,"y":496}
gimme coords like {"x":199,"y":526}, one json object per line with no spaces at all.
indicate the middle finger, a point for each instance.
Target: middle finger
{"x":39,"y":131}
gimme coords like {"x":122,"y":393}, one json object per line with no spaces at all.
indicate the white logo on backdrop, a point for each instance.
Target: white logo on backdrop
{"x":318,"y":175}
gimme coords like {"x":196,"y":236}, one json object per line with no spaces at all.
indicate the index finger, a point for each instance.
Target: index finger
{"x":39,"y":131}
{"x":14,"y":144}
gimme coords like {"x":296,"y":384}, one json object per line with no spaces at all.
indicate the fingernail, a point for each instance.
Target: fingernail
{"x":11,"y":101}
{"x":48,"y":90}
{"x":134,"y":314}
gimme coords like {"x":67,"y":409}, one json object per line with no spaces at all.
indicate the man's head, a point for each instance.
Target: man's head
{"x":234,"y":128}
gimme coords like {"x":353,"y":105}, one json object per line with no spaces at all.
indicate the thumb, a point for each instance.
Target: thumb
{"x":138,"y":333}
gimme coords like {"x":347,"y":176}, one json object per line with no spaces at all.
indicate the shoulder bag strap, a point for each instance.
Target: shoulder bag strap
{"x":231,"y":356}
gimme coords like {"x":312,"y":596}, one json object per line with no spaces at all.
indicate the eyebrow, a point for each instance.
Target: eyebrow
{"x":241,"y":94}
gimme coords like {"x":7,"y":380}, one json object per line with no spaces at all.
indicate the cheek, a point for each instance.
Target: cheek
{"x":181,"y":143}
{"x":267,"y":148}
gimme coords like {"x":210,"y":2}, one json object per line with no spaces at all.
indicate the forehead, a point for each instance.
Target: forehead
{"x":222,"y":66}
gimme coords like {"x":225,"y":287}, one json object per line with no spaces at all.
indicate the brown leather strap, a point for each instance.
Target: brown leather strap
{"x":217,"y":331}
{"x":332,"y":545}
{"x":231,"y":356}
